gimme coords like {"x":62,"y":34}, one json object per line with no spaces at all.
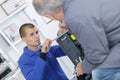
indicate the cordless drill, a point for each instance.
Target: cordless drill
{"x":73,"y":49}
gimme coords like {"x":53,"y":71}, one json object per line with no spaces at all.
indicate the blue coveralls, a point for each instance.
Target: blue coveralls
{"x":35,"y":68}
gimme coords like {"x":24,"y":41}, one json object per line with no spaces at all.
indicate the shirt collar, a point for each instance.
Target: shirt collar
{"x":30,"y":52}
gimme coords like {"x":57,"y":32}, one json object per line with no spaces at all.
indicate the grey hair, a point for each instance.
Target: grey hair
{"x":43,"y":7}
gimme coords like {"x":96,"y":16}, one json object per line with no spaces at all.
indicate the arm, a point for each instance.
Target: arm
{"x":54,"y":50}
{"x":57,"y":51}
{"x":89,"y":33}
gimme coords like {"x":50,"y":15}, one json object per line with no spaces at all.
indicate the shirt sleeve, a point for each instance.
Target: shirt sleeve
{"x":57,"y":51}
{"x":91,"y":35}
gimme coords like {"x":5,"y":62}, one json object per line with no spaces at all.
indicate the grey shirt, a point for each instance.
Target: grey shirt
{"x":96,"y":24}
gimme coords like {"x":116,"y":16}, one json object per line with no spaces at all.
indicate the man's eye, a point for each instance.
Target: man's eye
{"x":31,"y":34}
{"x":36,"y":32}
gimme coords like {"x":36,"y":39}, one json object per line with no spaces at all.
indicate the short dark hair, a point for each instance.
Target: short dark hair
{"x":24,"y":27}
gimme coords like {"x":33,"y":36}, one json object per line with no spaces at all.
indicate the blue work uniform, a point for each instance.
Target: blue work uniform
{"x":34,"y":67}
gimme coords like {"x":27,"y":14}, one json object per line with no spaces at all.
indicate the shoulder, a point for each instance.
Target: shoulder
{"x":23,"y":59}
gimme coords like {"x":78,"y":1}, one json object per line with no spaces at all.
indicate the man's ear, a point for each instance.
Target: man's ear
{"x":23,"y":39}
{"x":51,"y":16}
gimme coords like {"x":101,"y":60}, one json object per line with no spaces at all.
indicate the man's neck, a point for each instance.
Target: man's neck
{"x":33,"y":48}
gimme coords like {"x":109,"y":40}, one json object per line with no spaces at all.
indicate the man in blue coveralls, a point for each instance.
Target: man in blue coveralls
{"x":39,"y":62}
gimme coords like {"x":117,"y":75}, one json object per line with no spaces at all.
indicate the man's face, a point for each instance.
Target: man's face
{"x":32,"y":38}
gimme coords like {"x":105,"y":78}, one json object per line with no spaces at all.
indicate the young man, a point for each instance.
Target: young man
{"x":39,"y":62}
{"x":96,"y":24}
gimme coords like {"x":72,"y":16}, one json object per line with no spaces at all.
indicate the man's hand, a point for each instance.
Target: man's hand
{"x":62,"y":28}
{"x":46,"y":46}
{"x":60,"y":31}
{"x":79,"y":69}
